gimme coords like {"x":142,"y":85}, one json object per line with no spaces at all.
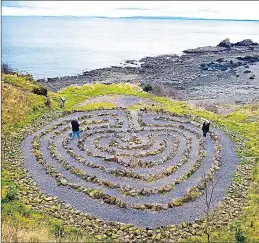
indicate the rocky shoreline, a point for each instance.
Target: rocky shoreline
{"x":225,"y":74}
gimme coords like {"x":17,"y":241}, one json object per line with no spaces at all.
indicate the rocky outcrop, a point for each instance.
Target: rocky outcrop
{"x":213,"y":66}
{"x":254,"y":58}
{"x":247,"y":42}
{"x":225,"y":43}
{"x":244,"y":43}
{"x":206,"y":49}
{"x":222,"y":65}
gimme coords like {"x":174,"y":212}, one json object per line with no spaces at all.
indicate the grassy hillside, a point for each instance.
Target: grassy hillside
{"x":22,"y":105}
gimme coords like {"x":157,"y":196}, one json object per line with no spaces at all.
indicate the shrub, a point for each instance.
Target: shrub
{"x":11,"y":195}
{"x":147,"y":88}
{"x":40,"y":91}
{"x":239,"y":236}
{"x":6,"y":69}
{"x":9,"y":191}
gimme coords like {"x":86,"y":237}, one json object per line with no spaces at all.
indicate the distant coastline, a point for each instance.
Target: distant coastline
{"x":185,"y":18}
{"x":141,"y":17}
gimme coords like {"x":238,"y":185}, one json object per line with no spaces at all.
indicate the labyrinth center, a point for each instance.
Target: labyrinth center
{"x":163,"y":170}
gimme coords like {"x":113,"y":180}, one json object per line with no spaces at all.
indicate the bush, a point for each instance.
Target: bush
{"x":239,"y":236}
{"x":11,"y":195}
{"x":147,"y":88}
{"x":9,"y":191}
{"x":40,"y":91}
{"x":6,"y":69}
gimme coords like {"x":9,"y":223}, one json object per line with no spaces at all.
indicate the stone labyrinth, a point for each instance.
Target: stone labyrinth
{"x":163,"y":169}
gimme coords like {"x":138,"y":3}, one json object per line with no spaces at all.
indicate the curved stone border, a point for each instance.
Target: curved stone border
{"x":99,"y":194}
{"x":166,"y":210}
{"x":226,"y":212}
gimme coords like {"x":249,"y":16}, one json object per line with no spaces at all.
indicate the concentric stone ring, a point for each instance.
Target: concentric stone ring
{"x":143,"y":168}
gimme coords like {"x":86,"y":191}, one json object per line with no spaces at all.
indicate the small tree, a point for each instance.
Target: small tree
{"x":147,"y":88}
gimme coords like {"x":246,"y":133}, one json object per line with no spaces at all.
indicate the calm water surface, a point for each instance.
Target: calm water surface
{"x":58,"y":46}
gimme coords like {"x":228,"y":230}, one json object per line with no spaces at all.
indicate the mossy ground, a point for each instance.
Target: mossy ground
{"x":20,"y":106}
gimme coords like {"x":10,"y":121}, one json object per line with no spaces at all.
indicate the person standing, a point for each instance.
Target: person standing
{"x":75,"y":128}
{"x":205,"y":128}
{"x":63,"y":99}
{"x":115,"y":158}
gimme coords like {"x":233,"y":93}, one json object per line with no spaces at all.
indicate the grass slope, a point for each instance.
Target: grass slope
{"x":20,"y":106}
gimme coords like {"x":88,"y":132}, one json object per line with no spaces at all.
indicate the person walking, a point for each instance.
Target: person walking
{"x":205,"y":127}
{"x":75,"y":128}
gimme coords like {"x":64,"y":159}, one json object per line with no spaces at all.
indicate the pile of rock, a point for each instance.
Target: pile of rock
{"x":244,"y":43}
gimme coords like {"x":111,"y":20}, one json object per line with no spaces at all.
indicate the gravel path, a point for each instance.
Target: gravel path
{"x":163,"y":128}
{"x":122,"y":101}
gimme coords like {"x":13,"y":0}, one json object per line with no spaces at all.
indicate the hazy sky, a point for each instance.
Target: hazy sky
{"x":196,"y":9}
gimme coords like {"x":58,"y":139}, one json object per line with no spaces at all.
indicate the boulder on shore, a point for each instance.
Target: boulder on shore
{"x":247,"y":42}
{"x":225,"y":43}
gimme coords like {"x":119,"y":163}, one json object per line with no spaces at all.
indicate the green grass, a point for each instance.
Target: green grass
{"x":18,"y":81}
{"x":76,"y":94}
{"x":21,"y":107}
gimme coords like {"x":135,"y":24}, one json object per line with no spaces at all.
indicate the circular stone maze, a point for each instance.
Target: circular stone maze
{"x":144,"y":168}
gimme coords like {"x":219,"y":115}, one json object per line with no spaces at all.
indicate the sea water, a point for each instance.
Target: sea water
{"x":60,"y":46}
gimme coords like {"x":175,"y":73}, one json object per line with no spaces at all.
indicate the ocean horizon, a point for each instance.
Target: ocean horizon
{"x":137,"y":17}
{"x":59,"y":46}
